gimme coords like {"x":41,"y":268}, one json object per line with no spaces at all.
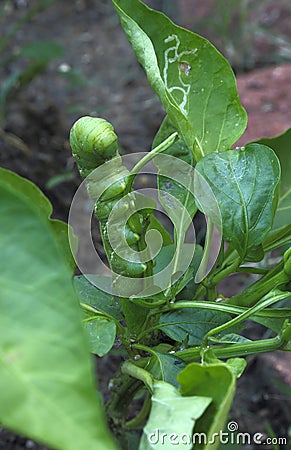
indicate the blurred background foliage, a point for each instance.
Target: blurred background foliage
{"x":60,"y":59}
{"x":250,"y":33}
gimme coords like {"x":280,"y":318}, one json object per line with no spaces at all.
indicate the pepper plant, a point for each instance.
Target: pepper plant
{"x":182,"y":343}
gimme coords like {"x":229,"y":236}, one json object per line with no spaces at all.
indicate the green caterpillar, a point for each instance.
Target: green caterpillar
{"x":94,"y":143}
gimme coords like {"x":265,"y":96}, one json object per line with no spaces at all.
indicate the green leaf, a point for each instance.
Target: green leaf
{"x":193,"y":80}
{"x":156,"y":225}
{"x":274,"y":323}
{"x":229,"y":338}
{"x":179,"y":148}
{"x":129,"y":440}
{"x":135,"y":315}
{"x":164,"y":367}
{"x":93,"y":296}
{"x":47,"y":385}
{"x":278,"y":237}
{"x":171,"y":416}
{"x":245,"y":183}
{"x":60,"y":230}
{"x":175,"y":184}
{"x":101,"y":334}
{"x":216,"y":382}
{"x":281,"y":145}
{"x":175,"y":179}
{"x":235,"y":365}
{"x":185,"y":287}
{"x":191,"y":326}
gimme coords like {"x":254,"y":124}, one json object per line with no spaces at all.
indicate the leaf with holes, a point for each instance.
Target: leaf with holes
{"x":193,"y":80}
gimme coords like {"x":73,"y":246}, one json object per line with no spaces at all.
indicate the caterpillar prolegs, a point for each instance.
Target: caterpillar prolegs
{"x":94,"y":143}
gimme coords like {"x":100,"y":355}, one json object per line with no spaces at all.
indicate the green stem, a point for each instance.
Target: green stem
{"x":134,"y":371}
{"x":277,"y":238}
{"x":148,"y":304}
{"x":159,"y":149}
{"x":144,"y":348}
{"x":236,"y":310}
{"x":252,"y":270}
{"x":179,"y":239}
{"x":213,"y":279}
{"x":270,"y":299}
{"x":225,"y":272}
{"x":122,"y":396}
{"x":142,"y":415}
{"x":208,"y":240}
{"x":249,"y":296}
{"x":235,"y":350}
{"x":212,"y":306}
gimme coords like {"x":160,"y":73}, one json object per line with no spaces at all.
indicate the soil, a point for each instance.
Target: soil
{"x":98,"y":74}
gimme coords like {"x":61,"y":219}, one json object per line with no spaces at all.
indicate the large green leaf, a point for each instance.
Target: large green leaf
{"x":282,"y":146}
{"x":164,"y":366}
{"x":185,"y":287}
{"x":171,"y":415}
{"x":101,"y":333}
{"x":245,"y":183}
{"x":93,"y":296}
{"x":218,"y":383}
{"x":192,"y":79}
{"x":47,"y":384}
{"x":156,"y":225}
{"x":191,"y":326}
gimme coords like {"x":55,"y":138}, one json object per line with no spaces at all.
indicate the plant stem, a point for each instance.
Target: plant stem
{"x":231,"y":309}
{"x":225,"y":272}
{"x":270,"y":299}
{"x":212,"y":306}
{"x":134,"y":371}
{"x":148,"y":304}
{"x":213,"y":279}
{"x":252,"y":270}
{"x":235,"y":350}
{"x":122,"y":396}
{"x":208,"y":240}
{"x":159,"y":149}
{"x":142,"y":415}
{"x":257,"y":290}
